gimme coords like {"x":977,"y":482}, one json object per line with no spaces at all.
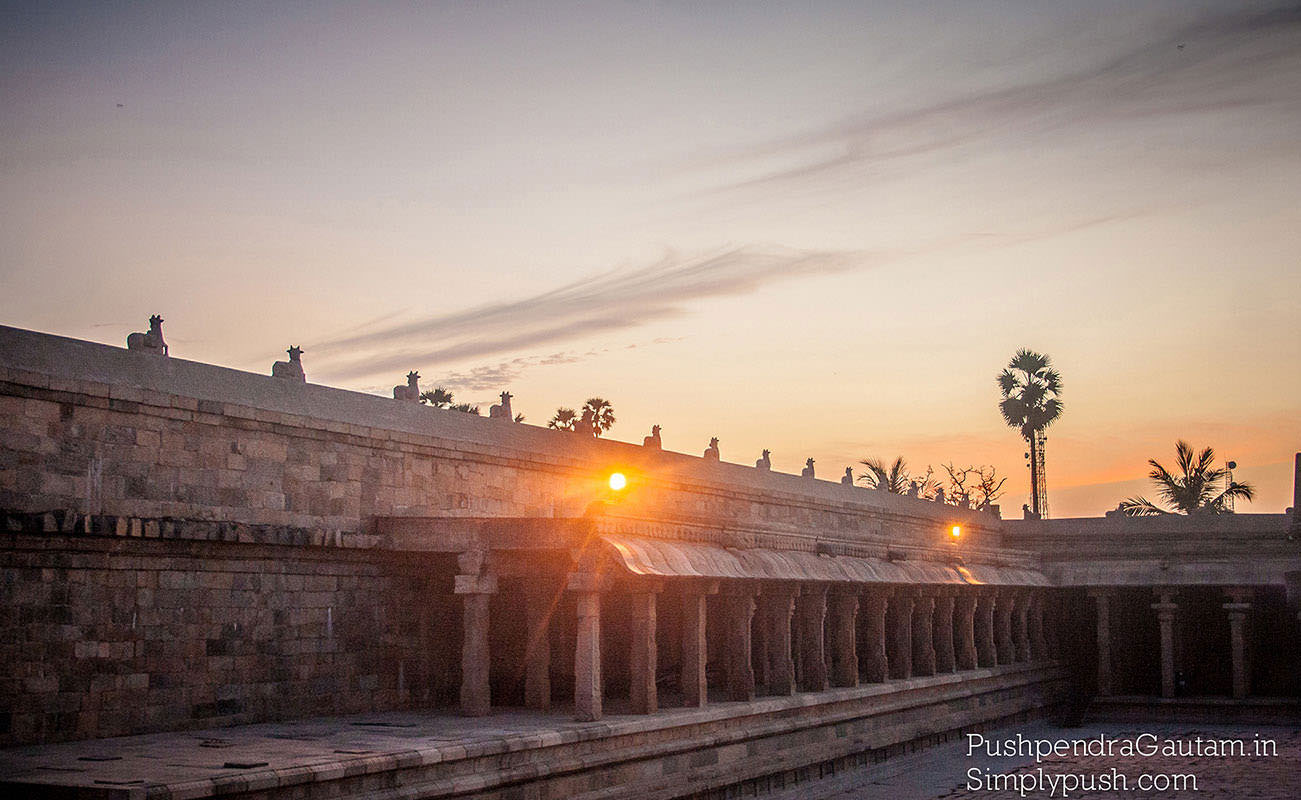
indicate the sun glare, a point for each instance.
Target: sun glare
{"x":617,"y":481}
{"x":955,"y":531}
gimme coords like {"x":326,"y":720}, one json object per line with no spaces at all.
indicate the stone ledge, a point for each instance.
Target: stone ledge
{"x":644,"y":757}
{"x":62,"y":521}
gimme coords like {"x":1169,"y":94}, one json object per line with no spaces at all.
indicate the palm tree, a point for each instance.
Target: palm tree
{"x":1030,"y":387}
{"x":438,"y":398}
{"x":466,"y":408}
{"x":602,"y":414}
{"x":1202,"y":488}
{"x":566,"y":419}
{"x":893,"y":480}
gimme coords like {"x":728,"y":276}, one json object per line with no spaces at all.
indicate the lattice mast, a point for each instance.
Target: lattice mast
{"x":1040,"y":475}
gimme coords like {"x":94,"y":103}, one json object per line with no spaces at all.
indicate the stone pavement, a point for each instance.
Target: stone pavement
{"x":941,"y":773}
{"x":195,"y":763}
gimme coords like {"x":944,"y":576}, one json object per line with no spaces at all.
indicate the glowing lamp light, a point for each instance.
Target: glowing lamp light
{"x":956,"y":531}
{"x":618,"y":481}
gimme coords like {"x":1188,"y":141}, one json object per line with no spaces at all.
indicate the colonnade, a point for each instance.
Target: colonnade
{"x":1237,"y":606}
{"x":772,"y":637}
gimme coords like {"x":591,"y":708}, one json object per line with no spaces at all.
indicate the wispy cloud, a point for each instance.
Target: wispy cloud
{"x":1245,"y":58}
{"x":617,"y":300}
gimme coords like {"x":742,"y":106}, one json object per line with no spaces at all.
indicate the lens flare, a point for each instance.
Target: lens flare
{"x":955,"y":531}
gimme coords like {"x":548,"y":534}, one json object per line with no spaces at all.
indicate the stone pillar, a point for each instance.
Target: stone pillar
{"x":1102,"y":602}
{"x":1053,"y":614}
{"x":1238,"y":608}
{"x":476,"y":585}
{"x":901,"y":633}
{"x":1004,"y":601}
{"x":986,"y":649}
{"x":844,"y":626}
{"x":537,"y":655}
{"x":945,"y":657}
{"x":641,"y":659}
{"x":738,"y":612}
{"x":1165,"y":615}
{"x":923,"y":633}
{"x":1020,"y":625}
{"x":588,"y":692}
{"x":778,"y":607}
{"x":695,"y":688}
{"x":875,"y":665}
{"x":1038,"y":644}
{"x":965,"y":630}
{"x":811,"y":611}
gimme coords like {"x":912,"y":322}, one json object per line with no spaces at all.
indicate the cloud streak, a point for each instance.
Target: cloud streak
{"x":616,"y":300}
{"x":1234,"y":60}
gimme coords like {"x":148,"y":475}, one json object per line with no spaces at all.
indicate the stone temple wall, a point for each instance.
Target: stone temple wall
{"x":103,"y":431}
{"x":186,"y":545}
{"x":110,"y":636}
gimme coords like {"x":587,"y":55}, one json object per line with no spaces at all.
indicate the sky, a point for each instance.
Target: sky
{"x":820,"y":229}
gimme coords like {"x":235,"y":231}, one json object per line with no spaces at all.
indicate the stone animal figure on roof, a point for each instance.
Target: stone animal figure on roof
{"x":411,"y":391}
{"x":502,"y":411}
{"x":652,"y":441}
{"x":151,"y":342}
{"x":293,"y":368}
{"x":711,"y":452}
{"x":848,"y":478}
{"x":807,"y":472}
{"x":765,"y":461}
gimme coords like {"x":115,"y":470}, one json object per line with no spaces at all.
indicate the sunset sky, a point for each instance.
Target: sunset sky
{"x":819,"y":230}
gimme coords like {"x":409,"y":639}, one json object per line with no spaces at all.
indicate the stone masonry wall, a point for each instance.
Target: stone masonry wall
{"x":138,"y":435}
{"x":105,"y":636}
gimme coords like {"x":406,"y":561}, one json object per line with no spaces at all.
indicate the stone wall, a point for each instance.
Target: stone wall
{"x":104,"y":637}
{"x":1165,"y":550}
{"x":101,"y":430}
{"x":191,"y":545}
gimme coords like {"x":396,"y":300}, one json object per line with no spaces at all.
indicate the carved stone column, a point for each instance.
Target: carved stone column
{"x":641,"y":659}
{"x":1054,"y":613}
{"x":1004,"y":601}
{"x":738,"y":612}
{"x":945,"y":658}
{"x":923,"y":632}
{"x":1038,"y":644}
{"x":1239,"y":606}
{"x":872,"y":608}
{"x":844,"y":650}
{"x":537,"y":654}
{"x":1020,"y":625}
{"x":901,"y":633}
{"x":778,"y":602}
{"x":695,"y":688}
{"x":811,"y":612}
{"x":476,"y":584}
{"x":986,"y":647}
{"x":588,"y":692}
{"x":1165,"y":615}
{"x":1101,"y":601}
{"x":965,"y":629}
